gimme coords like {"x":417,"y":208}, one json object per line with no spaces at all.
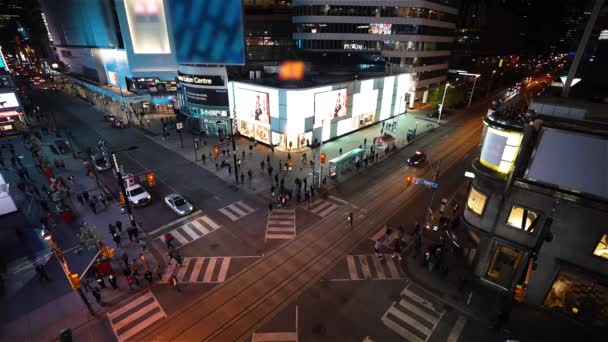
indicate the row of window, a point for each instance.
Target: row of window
{"x":373,"y":11}
{"x":375,"y":29}
{"x":419,"y":61}
{"x":365,"y":45}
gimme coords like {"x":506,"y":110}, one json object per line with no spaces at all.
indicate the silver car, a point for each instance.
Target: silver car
{"x":178,"y":204}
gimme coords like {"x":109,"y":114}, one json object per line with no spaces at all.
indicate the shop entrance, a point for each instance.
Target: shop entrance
{"x":216,"y":128}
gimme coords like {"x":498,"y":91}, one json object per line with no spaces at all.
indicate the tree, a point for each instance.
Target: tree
{"x":88,"y":235}
{"x":453,"y":98}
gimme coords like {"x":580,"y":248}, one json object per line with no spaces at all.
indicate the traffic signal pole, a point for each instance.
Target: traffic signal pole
{"x":429,"y":209}
{"x":123,"y":190}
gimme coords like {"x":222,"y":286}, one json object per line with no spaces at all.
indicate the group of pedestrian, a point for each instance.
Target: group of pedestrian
{"x":173,"y":255}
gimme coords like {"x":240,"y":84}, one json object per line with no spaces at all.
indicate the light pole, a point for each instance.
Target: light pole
{"x":236,"y":169}
{"x":121,"y":183}
{"x":473,"y":90}
{"x":321,"y":151}
{"x":73,"y":278}
{"x":447,"y":84}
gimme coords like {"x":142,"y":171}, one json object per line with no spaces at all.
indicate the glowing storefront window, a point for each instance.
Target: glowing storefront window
{"x":601,"y":249}
{"x":522,"y":218}
{"x":500,"y":149}
{"x":148,"y":26}
{"x":477,"y":201}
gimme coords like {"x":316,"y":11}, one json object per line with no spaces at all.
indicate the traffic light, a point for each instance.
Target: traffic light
{"x":121,"y":197}
{"x":151,"y":178}
{"x":216,"y":151}
{"x":519,"y":294}
{"x":409,"y":180}
{"x":323,"y":157}
{"x":74,"y":280}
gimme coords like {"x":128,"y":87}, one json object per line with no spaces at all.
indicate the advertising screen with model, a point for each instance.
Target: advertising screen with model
{"x":330,"y":105}
{"x":253,"y":106}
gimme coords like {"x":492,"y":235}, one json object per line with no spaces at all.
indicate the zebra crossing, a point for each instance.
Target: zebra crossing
{"x":135,"y":316}
{"x":414,"y":317}
{"x":381,"y":235}
{"x":236,"y":210}
{"x":324,"y":207}
{"x":281,"y":224}
{"x":369,"y":267}
{"x":187,"y":229}
{"x":198,"y":270}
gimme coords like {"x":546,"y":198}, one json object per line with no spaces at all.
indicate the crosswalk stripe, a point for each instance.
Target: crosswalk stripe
{"x":280,"y":222}
{"x":392,"y":268}
{"x":275,"y":336}
{"x":200,"y":227}
{"x":190,"y":232}
{"x":182,"y":270}
{"x":281,"y":225}
{"x":379,"y":268}
{"x":237,"y":210}
{"x":246,"y":207}
{"x":400,"y":330}
{"x":282,"y":210}
{"x":198,"y":264}
{"x":178,"y":236}
{"x":457,"y":329}
{"x":210,"y":222}
{"x":229,"y":214}
{"x":132,"y":317}
{"x":279,"y":229}
{"x":420,"y":300}
{"x":188,"y":217}
{"x":279,"y":236}
{"x":417,"y":311}
{"x":209,"y":270}
{"x":326,"y":212}
{"x":141,"y":326}
{"x":339,"y":200}
{"x":409,"y":320}
{"x":367,"y":273}
{"x":127,"y":307}
{"x":352,"y":267}
{"x":223,"y":269}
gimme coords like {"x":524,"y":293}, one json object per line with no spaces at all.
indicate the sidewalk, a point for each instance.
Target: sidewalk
{"x":54,"y":306}
{"x":250,"y":157}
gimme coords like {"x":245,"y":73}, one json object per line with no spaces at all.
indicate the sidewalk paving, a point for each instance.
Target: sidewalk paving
{"x":55,"y":306}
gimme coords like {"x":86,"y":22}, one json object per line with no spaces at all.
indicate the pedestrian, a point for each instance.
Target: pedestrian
{"x":204,"y":158}
{"x":85,"y":195}
{"x":289,"y":155}
{"x":173,"y":254}
{"x":243,"y":154}
{"x":125,"y":259}
{"x":116,"y":238}
{"x":217,"y":166}
{"x":268,"y":160}
{"x":307,"y":197}
{"x":93,"y":206}
{"x":262,"y":164}
{"x":417,"y":230}
{"x":270,"y":169}
{"x":305,"y":183}
{"x":119,"y":226}
{"x":143,"y":246}
{"x":129,"y":279}
{"x":159,"y":272}
{"x":250,"y":175}
{"x":276,"y":179}
{"x":102,"y":199}
{"x":142,"y":260}
{"x":169,"y":240}
{"x":312,"y":191}
{"x":43,"y":205}
{"x":378,"y":250}
{"x":100,"y":281}
{"x":42,"y":273}
{"x":350,"y":219}
{"x":112,"y":229}
{"x":242,"y":178}
{"x":175,"y":283}
{"x":130,"y":233}
{"x":270,"y":208}
{"x":97,"y":295}
{"x":112,"y":280}
{"x":397,"y":248}
{"x":148,"y":277}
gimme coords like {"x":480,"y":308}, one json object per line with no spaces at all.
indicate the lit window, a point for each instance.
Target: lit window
{"x":602,"y":247}
{"x":522,"y":218}
{"x":476,"y":201}
{"x":503,"y":266}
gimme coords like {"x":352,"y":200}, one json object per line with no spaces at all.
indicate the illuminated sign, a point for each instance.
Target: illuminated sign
{"x":574,"y":80}
{"x":112,"y":78}
{"x":205,"y":96}
{"x":379,"y":29}
{"x":291,"y":71}
{"x":8,"y":101}
{"x":330,"y":105}
{"x":500,"y":149}
{"x":603,"y":35}
{"x":252,"y":106}
{"x":213,"y":80}
{"x":10,"y":113}
{"x":148,"y":26}
{"x":2,"y":61}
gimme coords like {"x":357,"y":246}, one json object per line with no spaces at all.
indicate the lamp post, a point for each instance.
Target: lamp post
{"x":473,"y":90}
{"x":321,"y":151}
{"x":447,"y":84}
{"x":236,"y":169}
{"x":73,"y":278}
{"x":121,"y":183}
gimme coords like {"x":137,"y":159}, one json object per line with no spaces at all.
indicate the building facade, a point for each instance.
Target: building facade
{"x":537,"y":210}
{"x":408,"y":36}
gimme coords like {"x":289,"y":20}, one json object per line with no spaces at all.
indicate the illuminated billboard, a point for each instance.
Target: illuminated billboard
{"x":364,"y":108}
{"x":148,"y":26}
{"x":379,"y":29}
{"x":8,"y":101}
{"x":500,"y":149}
{"x":208,"y":31}
{"x":252,"y":105}
{"x":330,"y":105}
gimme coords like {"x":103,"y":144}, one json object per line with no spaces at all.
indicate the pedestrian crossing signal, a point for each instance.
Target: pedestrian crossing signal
{"x":323,"y":157}
{"x":74,"y":280}
{"x":121,"y":197}
{"x":409,"y":180}
{"x":216,"y":151}
{"x":151,"y":179}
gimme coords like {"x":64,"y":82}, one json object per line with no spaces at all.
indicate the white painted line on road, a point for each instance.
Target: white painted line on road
{"x":173,"y":223}
{"x":352,"y":267}
{"x":209,"y":270}
{"x":223,"y":269}
{"x":190,"y":232}
{"x":198,"y":265}
{"x":229,"y":214}
{"x":378,"y":267}
{"x":246,"y":207}
{"x":210,"y":222}
{"x":237,"y":210}
{"x":339,"y":200}
{"x":200,"y":227}
{"x":457,"y":329}
{"x":367,"y":273}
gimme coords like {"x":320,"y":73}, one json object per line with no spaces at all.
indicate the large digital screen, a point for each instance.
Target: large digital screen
{"x":8,"y":101}
{"x":148,"y":26}
{"x":330,"y":105}
{"x":252,"y":105}
{"x":205,"y":96}
{"x":379,"y":29}
{"x":208,"y":31}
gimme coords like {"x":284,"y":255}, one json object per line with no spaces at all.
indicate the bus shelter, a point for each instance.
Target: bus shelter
{"x":346,"y":162}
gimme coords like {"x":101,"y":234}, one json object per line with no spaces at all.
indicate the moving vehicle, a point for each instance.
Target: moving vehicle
{"x":178,"y":204}
{"x":417,"y":158}
{"x":138,"y":196}
{"x":101,"y":162}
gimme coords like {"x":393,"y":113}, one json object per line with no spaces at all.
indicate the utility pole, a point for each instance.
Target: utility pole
{"x":236,"y":167}
{"x":447,"y":84}
{"x":121,"y":184}
{"x":429,"y":209}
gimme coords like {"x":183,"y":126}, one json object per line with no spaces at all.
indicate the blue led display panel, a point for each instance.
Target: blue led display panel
{"x":208,"y":31}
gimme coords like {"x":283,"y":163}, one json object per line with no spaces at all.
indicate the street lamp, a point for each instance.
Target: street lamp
{"x":73,"y":278}
{"x":236,"y":169}
{"x":121,"y":183}
{"x":321,"y":151}
{"x":473,"y":90}
{"x":447,"y":84}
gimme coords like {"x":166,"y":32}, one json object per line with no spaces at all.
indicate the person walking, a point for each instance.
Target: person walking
{"x":250,"y":175}
{"x":119,"y":226}
{"x":143,"y":246}
{"x":176,"y":256}
{"x":116,"y":238}
{"x":378,"y":250}
{"x":100,"y":281}
{"x":169,"y":241}
{"x":97,"y":295}
{"x":204,"y":157}
{"x":85,"y":195}
{"x":42,"y":273}
{"x":125,"y":259}
{"x":242,"y":178}
{"x":270,"y":208}
{"x":397,"y":248}
{"x":262,"y":164}
{"x":112,"y":229}
{"x":93,"y":206}
{"x":102,"y":199}
{"x":174,"y":283}
{"x":350,"y":219}
{"x":307,"y":197}
{"x":148,"y":277}
{"x":113,"y":282}
{"x":270,"y":169}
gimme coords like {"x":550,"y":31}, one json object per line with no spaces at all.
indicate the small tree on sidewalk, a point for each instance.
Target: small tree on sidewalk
{"x":88,"y":236}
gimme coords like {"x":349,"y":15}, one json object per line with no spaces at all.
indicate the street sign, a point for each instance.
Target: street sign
{"x":425,"y":182}
{"x":179,"y":125}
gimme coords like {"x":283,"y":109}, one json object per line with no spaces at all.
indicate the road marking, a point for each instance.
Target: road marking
{"x":152,"y":311}
{"x":277,"y":336}
{"x":352,"y":268}
{"x":188,"y":217}
{"x":195,"y":228}
{"x":214,"y":270}
{"x":323,"y":207}
{"x":339,"y":200}
{"x":359,"y":268}
{"x":236,"y":210}
{"x":457,"y":329}
{"x":281,"y":225}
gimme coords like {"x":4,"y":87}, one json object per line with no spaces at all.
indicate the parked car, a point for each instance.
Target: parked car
{"x":435,"y":114}
{"x":118,"y":123}
{"x":101,"y":162}
{"x":178,"y":204}
{"x":417,"y":158}
{"x":138,"y":196}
